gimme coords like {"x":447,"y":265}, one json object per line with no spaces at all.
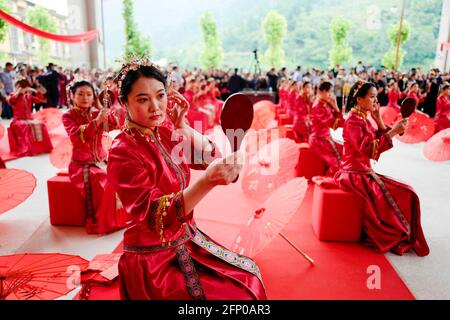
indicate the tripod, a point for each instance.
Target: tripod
{"x":256,"y":67}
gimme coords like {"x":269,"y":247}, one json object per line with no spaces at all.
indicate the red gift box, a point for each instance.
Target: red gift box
{"x":336,"y":214}
{"x":67,"y":206}
{"x":309,"y":163}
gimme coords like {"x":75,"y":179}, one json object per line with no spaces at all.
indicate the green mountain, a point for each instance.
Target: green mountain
{"x":174,"y":28}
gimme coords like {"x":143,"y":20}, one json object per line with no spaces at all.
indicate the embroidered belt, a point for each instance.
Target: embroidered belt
{"x":333,"y":146}
{"x":390,"y":199}
{"x":228,"y":256}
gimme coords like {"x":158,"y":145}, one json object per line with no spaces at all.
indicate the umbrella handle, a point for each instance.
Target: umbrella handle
{"x":297,"y":249}
{"x":402,"y":134}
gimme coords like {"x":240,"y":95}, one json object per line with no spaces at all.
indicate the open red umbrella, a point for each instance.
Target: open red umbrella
{"x":39,"y":276}
{"x":2,"y":131}
{"x":278,"y":157}
{"x":269,"y":221}
{"x":255,"y":140}
{"x":15,"y":187}
{"x":51,"y":117}
{"x":61,"y":155}
{"x":389,"y":115}
{"x":258,"y":186}
{"x":438,"y":147}
{"x":420,"y":128}
{"x":273,"y":165}
{"x":264,"y":114}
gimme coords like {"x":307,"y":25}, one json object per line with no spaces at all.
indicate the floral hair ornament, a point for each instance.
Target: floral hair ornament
{"x":132,"y":63}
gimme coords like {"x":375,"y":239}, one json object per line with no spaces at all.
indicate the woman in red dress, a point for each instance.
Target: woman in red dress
{"x":85,"y":125}
{"x":393,"y":95}
{"x":198,"y":118}
{"x":27,"y":137}
{"x":391,"y":216}
{"x":213,"y":94}
{"x":202,"y":104}
{"x":414,"y":93}
{"x":302,"y":113}
{"x":442,"y":117}
{"x":282,"y":93}
{"x":325,"y":114}
{"x":116,"y":109}
{"x":292,"y":98}
{"x":165,"y":255}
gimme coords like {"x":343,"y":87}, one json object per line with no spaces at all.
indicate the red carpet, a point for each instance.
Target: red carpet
{"x":340,"y":270}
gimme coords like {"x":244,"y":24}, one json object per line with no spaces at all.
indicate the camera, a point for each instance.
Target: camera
{"x":255,"y":52}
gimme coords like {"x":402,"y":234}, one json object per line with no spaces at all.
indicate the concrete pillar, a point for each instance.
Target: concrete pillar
{"x":85,"y":15}
{"x":443,"y":57}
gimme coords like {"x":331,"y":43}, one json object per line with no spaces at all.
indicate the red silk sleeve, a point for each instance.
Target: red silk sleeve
{"x":138,"y":189}
{"x":79,"y":132}
{"x":365,"y":143}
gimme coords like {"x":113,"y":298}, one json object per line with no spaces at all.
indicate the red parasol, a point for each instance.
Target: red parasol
{"x":420,"y":128}
{"x":438,"y":147}
{"x":257,"y":185}
{"x":15,"y":187}
{"x":269,"y":221}
{"x":389,"y":115}
{"x":51,"y":117}
{"x":264,"y":114}
{"x":257,"y":139}
{"x":2,"y":131}
{"x":39,"y":276}
{"x":272,"y":166}
{"x":61,"y":155}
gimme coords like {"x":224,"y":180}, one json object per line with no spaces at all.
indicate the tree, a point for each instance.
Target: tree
{"x":5,"y":6}
{"x":274,"y":28}
{"x":341,"y":53}
{"x":4,"y":27}
{"x":212,"y":52}
{"x":136,"y":43}
{"x":39,"y":18}
{"x":393,"y":33}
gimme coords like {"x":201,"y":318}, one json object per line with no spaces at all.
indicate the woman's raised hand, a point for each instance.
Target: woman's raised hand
{"x":399,"y":128}
{"x":224,"y":171}
{"x":177,"y":108}
{"x":376,"y":111}
{"x":102,"y":116}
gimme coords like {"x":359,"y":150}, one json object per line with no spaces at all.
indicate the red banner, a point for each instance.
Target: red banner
{"x":445,"y":46}
{"x":71,"y":38}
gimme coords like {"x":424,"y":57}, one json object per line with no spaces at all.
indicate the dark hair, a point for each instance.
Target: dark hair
{"x":444,"y":86}
{"x":134,"y":75}
{"x":9,"y":64}
{"x":82,"y":83}
{"x":305,"y":84}
{"x":359,"y":90}
{"x":325,"y":86}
